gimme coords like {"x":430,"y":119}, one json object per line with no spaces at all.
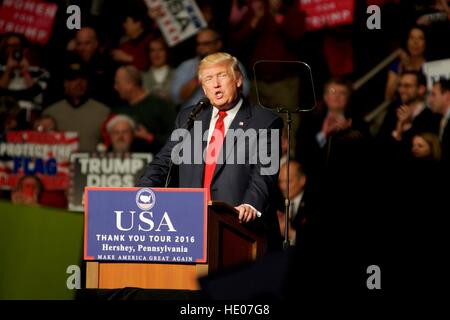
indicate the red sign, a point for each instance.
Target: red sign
{"x":45,"y":155}
{"x":32,"y":18}
{"x":322,"y":14}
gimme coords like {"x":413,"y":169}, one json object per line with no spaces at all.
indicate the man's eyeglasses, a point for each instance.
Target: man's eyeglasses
{"x":335,"y":92}
{"x":406,"y":85}
{"x":206,"y":43}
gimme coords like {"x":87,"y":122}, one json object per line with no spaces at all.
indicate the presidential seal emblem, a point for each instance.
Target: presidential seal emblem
{"x":145,"y":199}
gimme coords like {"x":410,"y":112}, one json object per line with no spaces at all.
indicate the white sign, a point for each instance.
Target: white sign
{"x":177,"y":19}
{"x":436,"y":70}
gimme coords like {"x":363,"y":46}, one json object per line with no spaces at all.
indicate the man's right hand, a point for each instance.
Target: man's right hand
{"x":404,"y":115}
{"x":142,"y":133}
{"x":332,"y":124}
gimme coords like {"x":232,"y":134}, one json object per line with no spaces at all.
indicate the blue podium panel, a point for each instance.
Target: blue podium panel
{"x":145,"y":225}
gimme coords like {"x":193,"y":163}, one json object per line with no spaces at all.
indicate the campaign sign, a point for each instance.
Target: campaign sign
{"x":436,"y":70}
{"x":103,"y":170}
{"x":43,"y":154}
{"x":32,"y":18}
{"x":145,"y":224}
{"x":178,"y":19}
{"x":322,"y":14}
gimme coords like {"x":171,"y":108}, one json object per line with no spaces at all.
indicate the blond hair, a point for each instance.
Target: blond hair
{"x":433,"y":142}
{"x":220,"y":58}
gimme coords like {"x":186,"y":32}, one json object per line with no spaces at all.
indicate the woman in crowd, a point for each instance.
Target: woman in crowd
{"x":28,"y":191}
{"x":158,"y":78}
{"x":411,"y":59}
{"x":426,"y":146}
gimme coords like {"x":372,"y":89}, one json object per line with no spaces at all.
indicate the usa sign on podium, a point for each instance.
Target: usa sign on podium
{"x":132,"y":224}
{"x":160,"y":238}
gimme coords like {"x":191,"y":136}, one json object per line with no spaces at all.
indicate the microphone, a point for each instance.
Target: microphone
{"x":202,"y":104}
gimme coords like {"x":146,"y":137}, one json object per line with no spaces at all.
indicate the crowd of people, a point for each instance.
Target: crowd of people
{"x":120,"y":90}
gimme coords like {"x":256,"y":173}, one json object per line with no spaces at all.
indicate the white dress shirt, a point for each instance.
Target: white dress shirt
{"x":231,"y":114}
{"x":160,"y":73}
{"x":226,"y":121}
{"x":443,"y":125}
{"x":295,"y":204}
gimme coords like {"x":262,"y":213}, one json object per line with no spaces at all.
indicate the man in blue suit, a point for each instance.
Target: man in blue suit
{"x":228,"y":132}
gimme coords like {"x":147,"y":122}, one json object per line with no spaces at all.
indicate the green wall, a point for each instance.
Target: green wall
{"x":37,"y":245}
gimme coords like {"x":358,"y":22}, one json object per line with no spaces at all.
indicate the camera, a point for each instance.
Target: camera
{"x":17,"y":55}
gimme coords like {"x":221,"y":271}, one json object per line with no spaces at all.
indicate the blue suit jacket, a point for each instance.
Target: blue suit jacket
{"x":234,"y":183}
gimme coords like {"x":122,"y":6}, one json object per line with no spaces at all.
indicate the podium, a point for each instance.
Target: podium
{"x":229,"y":243}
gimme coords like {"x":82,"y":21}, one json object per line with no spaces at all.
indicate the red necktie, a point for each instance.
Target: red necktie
{"x":213,"y":151}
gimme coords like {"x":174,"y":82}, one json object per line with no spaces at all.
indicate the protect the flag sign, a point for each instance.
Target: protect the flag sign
{"x":44,"y":154}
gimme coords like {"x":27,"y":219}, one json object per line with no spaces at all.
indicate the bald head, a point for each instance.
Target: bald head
{"x":130,"y":74}
{"x":87,"y":43}
{"x":128,"y":82}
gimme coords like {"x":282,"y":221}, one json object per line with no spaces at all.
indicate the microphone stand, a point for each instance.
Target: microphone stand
{"x":288,"y":121}
{"x":287,"y":202}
